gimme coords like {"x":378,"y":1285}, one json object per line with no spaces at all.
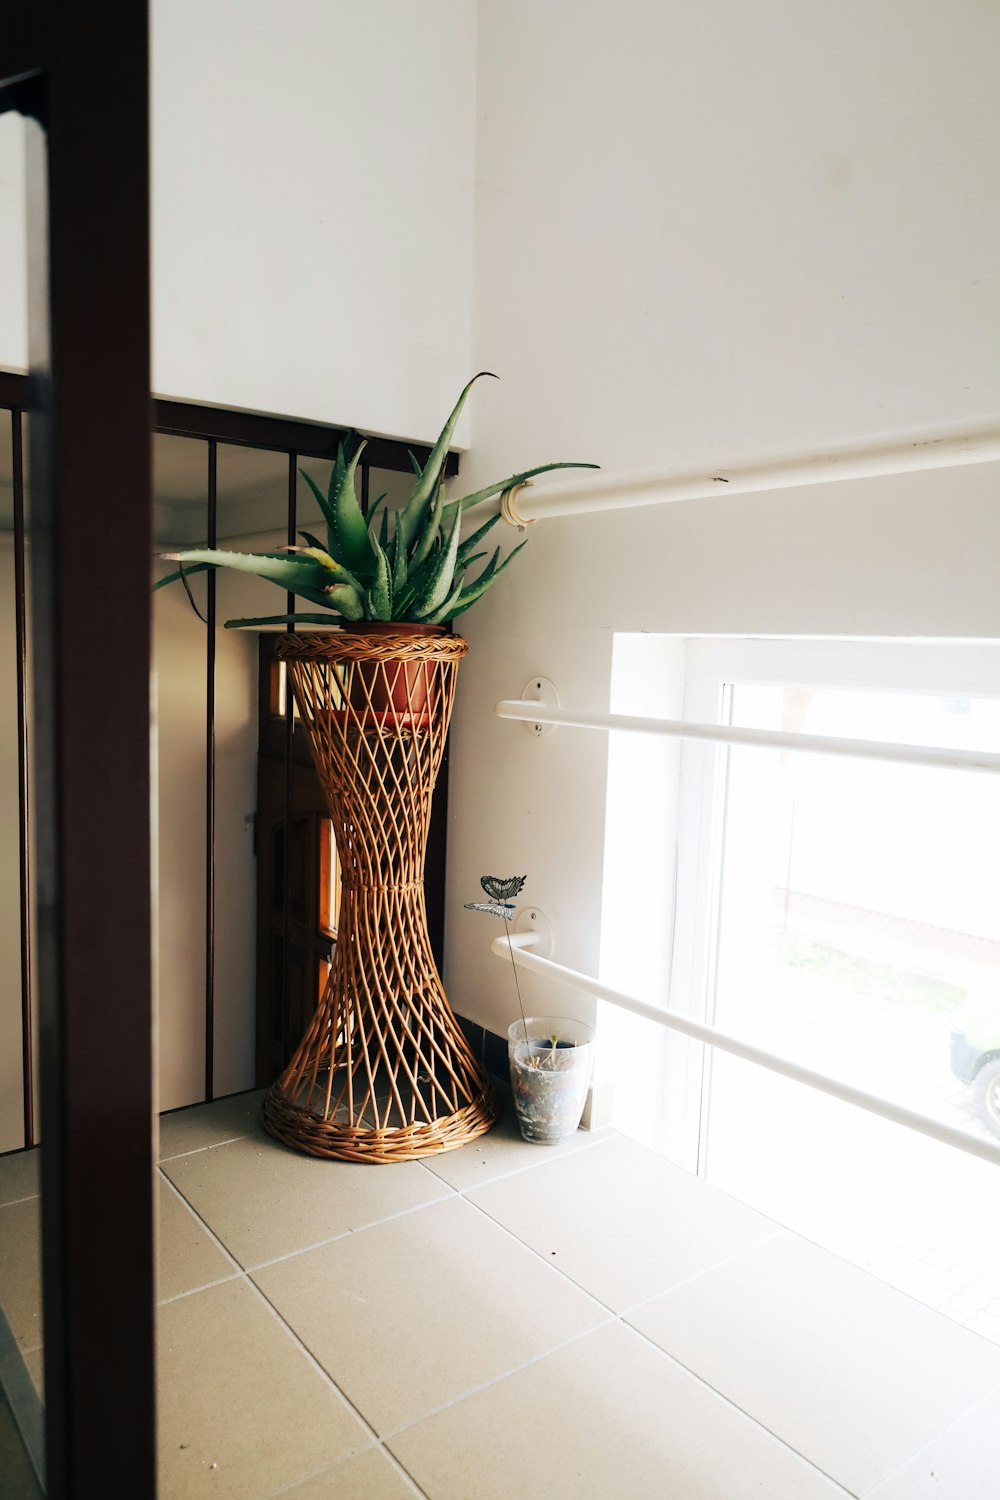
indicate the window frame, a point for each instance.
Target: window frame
{"x":708,"y":668}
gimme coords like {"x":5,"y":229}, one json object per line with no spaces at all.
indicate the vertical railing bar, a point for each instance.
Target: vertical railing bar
{"x":23,"y":789}
{"x":286,"y":892}
{"x":210,"y":783}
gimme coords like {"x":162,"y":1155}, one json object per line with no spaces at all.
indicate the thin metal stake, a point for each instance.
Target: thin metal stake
{"x":520,"y":1003}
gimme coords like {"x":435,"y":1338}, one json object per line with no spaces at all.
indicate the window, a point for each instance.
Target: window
{"x":843,"y":913}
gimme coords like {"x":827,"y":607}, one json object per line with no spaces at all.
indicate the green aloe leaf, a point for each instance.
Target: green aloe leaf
{"x":449,"y":604}
{"x":464,"y":559}
{"x":313,"y":541}
{"x":331,"y":566}
{"x":373,"y":511}
{"x":439,"y":582}
{"x":353,"y":547}
{"x":416,"y":582}
{"x":506,"y":484}
{"x":399,"y":562}
{"x":425,"y":543}
{"x":380,"y":592}
{"x":180,"y":573}
{"x":326,"y":511}
{"x":350,"y":602}
{"x":416,"y":508}
{"x":478,"y":587}
{"x":415,"y":462}
{"x":290,"y":573}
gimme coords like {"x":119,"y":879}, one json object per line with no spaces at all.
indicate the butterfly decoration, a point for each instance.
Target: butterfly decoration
{"x":500,"y":892}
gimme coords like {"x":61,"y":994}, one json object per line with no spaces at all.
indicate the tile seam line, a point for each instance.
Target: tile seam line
{"x":485,"y":1385}
{"x":620,"y":1317}
{"x":880,"y":1281}
{"x":345,"y":1234}
{"x":13,"y":1202}
{"x":194,"y":1290}
{"x":450,"y":1195}
{"x":546,"y":1261}
{"x":454,"y":1195}
{"x":378,"y":1442}
{"x":622,"y":1313}
{"x":331,"y":1469}
{"x":205,"y":1225}
{"x":601,"y":1138}
{"x":840,"y":1489}
{"x":290,"y":1333}
{"x":778,"y":1230}
{"x":716,"y":1265}
{"x":325,"y":1374}
{"x":230,"y":1140}
{"x":872,"y":1493}
{"x":757,"y":1422}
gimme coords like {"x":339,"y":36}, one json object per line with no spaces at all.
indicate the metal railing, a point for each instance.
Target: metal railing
{"x":518,"y":947}
{"x":870,"y":459}
{"x":527,"y":712}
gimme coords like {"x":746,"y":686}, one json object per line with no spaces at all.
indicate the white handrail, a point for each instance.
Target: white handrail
{"x":518,"y":944}
{"x":726,"y":734}
{"x":896,"y":454}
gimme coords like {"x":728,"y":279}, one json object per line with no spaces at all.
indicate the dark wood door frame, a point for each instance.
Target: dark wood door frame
{"x":80,"y":75}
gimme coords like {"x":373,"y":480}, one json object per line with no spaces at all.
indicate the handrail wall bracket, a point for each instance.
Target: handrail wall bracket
{"x":543,"y":691}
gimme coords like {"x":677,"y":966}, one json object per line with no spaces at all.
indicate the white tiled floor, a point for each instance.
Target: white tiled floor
{"x":582,"y":1324}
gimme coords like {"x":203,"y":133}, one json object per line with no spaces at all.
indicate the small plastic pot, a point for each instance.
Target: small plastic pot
{"x":551,"y":1059}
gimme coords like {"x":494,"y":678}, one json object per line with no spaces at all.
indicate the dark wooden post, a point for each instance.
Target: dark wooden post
{"x":80,"y":72}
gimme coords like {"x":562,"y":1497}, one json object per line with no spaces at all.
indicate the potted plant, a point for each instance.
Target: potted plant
{"x":550,"y":1057}
{"x":392,"y":568}
{"x":383,"y":1072}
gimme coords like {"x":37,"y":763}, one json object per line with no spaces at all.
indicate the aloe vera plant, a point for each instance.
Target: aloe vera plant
{"x":408,"y":564}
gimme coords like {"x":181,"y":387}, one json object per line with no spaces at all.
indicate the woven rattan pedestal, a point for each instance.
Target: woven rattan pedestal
{"x":383,"y":1072}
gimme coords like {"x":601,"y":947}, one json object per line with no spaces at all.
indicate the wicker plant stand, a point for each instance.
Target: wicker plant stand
{"x":383,"y":1072}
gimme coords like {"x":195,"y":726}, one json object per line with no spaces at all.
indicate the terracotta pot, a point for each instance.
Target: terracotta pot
{"x":400,"y":687}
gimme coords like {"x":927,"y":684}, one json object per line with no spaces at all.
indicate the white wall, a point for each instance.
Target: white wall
{"x":179,"y":686}
{"x":312,"y":185}
{"x":725,"y":227}
{"x":714,"y":230}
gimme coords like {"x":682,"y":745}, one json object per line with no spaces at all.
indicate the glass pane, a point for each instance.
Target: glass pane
{"x":859,"y":933}
{"x":329,"y":885}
